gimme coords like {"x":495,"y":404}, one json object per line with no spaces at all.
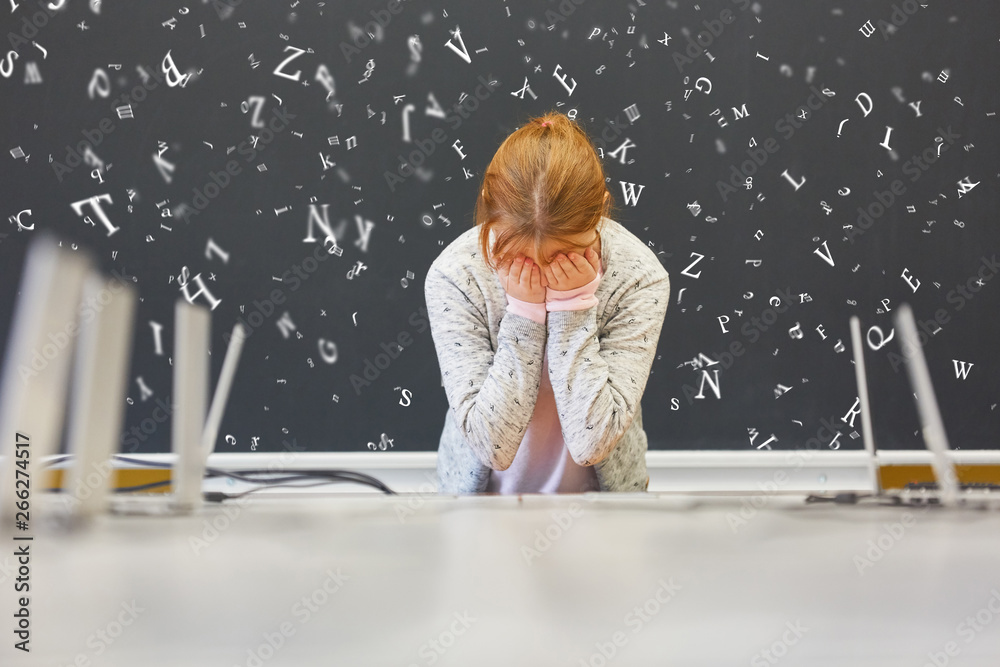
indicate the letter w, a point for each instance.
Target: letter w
{"x":631,"y":197}
{"x":963,"y":371}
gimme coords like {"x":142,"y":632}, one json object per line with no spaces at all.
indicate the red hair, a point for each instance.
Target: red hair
{"x":545,"y":182}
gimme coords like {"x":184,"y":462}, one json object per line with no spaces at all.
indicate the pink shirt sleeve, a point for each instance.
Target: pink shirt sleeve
{"x":580,"y":298}
{"x":533,"y":311}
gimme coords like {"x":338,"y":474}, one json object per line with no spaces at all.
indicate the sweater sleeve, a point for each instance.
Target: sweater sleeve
{"x":598,"y":381}
{"x":491,"y":395}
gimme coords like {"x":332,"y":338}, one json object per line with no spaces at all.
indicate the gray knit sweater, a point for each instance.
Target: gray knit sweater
{"x":491,"y":363}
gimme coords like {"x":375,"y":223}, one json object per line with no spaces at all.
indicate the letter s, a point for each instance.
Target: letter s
{"x":95,"y":645}
{"x":297,"y":610}
{"x":9,"y":69}
{"x":425,"y":653}
{"x":629,"y":620}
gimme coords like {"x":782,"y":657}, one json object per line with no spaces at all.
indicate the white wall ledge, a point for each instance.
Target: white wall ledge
{"x":766,"y":472}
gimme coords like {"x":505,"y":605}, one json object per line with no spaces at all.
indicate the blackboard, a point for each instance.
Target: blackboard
{"x":248,"y":156}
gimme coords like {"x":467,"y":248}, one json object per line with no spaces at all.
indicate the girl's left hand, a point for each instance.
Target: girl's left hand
{"x":570,"y":272}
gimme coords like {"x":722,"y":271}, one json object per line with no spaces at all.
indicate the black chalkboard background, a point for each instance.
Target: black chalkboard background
{"x":686,"y":118}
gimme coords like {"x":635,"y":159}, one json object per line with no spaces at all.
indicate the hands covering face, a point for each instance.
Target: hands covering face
{"x":524,"y":280}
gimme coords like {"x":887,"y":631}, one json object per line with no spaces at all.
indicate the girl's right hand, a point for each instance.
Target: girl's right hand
{"x":522,"y":279}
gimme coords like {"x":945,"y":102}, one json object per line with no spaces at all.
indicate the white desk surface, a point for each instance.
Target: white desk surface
{"x":406,"y":577}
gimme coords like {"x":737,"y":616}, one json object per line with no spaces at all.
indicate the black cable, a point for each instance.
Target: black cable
{"x":140,"y":487}
{"x":245,"y":475}
{"x":346,"y":475}
{"x":232,"y":496}
{"x":121,"y":489}
{"x":849,"y":497}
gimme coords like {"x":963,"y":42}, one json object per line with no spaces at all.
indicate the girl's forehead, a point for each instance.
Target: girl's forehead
{"x":552,"y":246}
{"x":549,"y":245}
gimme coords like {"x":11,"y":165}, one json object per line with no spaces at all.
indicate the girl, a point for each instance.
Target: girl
{"x":545,"y":317}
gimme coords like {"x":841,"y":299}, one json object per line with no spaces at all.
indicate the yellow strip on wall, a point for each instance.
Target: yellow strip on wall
{"x":897,"y":477}
{"x":122,"y":478}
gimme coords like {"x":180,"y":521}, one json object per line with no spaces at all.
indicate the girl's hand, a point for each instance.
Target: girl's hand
{"x":522,"y":280}
{"x":566,"y":273}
